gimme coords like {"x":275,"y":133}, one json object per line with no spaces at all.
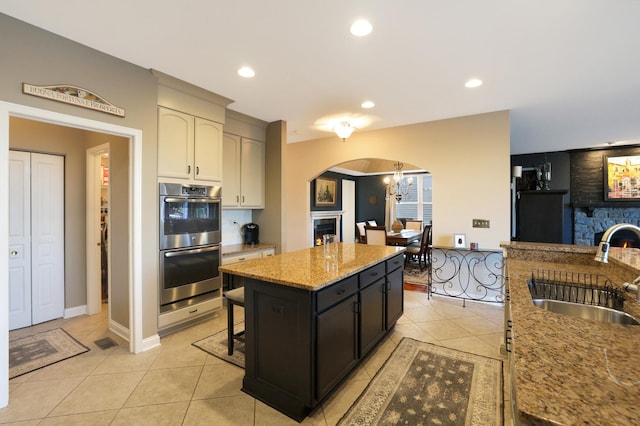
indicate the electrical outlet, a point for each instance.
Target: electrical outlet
{"x":480,"y":223}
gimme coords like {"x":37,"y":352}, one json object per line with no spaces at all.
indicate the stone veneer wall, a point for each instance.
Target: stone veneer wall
{"x":586,"y":223}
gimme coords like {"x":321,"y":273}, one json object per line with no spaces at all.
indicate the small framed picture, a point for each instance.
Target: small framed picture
{"x":459,"y":241}
{"x":325,"y":192}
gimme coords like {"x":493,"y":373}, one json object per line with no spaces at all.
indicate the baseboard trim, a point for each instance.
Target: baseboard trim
{"x":75,"y":311}
{"x":119,"y":329}
{"x":150,"y":342}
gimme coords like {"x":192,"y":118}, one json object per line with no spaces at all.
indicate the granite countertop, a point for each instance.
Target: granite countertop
{"x":569,"y":370}
{"x":308,"y":269}
{"x":244,"y":248}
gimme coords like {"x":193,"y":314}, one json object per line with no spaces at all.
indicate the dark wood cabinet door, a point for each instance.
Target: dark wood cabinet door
{"x":336,"y":344}
{"x":372,"y":318}
{"x":395,"y":296}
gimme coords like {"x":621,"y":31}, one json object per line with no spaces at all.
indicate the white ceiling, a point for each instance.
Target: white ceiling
{"x":568,"y":69}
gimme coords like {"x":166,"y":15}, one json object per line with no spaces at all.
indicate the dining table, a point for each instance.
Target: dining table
{"x":403,"y":238}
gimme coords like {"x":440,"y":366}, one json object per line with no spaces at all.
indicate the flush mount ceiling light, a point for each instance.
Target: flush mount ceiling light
{"x":474,"y":82}
{"x":246,"y":72}
{"x":367,"y":104}
{"x":361,"y":28}
{"x":343,"y":130}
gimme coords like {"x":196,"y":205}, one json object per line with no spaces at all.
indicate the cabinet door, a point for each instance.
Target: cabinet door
{"x":336,"y":344}
{"x":208,"y":150}
{"x":231,"y":170}
{"x":395,"y":296}
{"x":372,"y":323}
{"x":252,"y":173}
{"x":175,"y":144}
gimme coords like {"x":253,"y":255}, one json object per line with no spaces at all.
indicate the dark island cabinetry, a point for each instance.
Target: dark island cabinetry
{"x":301,"y":343}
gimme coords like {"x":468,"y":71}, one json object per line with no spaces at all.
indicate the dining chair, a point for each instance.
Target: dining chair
{"x":421,"y":251}
{"x":376,"y":235}
{"x":362,"y":237}
{"x":413,"y":224}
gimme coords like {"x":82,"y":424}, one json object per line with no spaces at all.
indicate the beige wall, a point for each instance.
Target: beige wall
{"x":468,"y":157}
{"x":39,"y":57}
{"x":270,"y":218}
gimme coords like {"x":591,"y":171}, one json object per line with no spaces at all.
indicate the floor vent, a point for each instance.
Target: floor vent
{"x":105,"y":343}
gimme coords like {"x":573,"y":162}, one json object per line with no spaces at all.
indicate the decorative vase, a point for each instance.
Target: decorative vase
{"x":397,"y":226}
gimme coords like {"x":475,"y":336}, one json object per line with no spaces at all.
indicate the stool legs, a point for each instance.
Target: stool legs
{"x":230,"y":327}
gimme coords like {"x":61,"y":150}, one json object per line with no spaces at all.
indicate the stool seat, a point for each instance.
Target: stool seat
{"x":234,"y":297}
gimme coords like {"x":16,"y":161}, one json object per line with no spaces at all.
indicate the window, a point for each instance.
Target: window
{"x":417,"y":203}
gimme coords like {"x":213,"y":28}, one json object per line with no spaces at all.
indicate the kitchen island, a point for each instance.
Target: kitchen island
{"x":567,"y":370}
{"x":310,"y":320}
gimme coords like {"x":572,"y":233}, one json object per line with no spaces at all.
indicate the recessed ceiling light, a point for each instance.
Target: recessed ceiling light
{"x":474,"y":82}
{"x":367,"y":104}
{"x":246,"y":72}
{"x":361,"y":27}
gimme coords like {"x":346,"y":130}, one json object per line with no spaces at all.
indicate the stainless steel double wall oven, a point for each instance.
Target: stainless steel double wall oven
{"x":190,"y":238}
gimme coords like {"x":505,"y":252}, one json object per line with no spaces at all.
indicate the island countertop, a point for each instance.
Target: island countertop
{"x":568,"y":370}
{"x":309,"y":269}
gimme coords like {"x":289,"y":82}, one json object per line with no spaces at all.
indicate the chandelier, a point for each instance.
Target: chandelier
{"x":400,"y":186}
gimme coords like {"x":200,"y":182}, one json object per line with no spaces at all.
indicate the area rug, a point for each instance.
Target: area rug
{"x":40,"y":350}
{"x":413,"y":275}
{"x":216,"y":345}
{"x":422,"y":384}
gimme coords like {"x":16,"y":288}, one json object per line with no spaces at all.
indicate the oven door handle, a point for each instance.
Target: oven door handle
{"x":191,"y":251}
{"x":191,"y":200}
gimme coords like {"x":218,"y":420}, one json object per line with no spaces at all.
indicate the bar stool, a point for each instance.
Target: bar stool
{"x":234,"y":297}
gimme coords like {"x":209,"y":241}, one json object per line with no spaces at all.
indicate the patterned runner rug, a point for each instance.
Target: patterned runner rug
{"x":422,"y":384}
{"x":216,"y":345}
{"x":34,"y":352}
{"x":413,"y":275}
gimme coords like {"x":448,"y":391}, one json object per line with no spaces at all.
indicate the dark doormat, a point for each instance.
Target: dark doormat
{"x":105,"y":343}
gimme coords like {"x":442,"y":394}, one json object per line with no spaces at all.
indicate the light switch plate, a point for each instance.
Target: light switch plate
{"x":480,"y":223}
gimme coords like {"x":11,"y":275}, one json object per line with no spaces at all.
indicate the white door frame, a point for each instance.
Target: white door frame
{"x":135,"y":222}
{"x":94,"y":295}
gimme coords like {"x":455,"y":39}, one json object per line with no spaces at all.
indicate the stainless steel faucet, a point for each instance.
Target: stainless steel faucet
{"x":602,"y":255}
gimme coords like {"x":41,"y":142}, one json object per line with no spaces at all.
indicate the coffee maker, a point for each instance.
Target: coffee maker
{"x":251,"y":233}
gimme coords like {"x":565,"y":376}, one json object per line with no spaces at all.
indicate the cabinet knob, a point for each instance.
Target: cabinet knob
{"x":189,"y":169}
{"x":197,"y":170}
{"x":14,"y":252}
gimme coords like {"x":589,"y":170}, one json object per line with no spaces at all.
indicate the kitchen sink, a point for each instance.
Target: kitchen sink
{"x":590,"y":312}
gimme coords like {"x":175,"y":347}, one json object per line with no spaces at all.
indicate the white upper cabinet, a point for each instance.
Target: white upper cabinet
{"x":188,"y":147}
{"x":243,"y":177}
{"x":252,"y":173}
{"x":208,"y":150}
{"x":231,"y":171}
{"x":175,"y":144}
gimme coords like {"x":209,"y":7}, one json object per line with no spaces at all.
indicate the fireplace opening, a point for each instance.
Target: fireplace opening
{"x":623,"y":238}
{"x":322,"y":227}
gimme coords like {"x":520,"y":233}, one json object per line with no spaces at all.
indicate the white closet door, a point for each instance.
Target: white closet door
{"x":19,"y":240}
{"x":47,"y":237}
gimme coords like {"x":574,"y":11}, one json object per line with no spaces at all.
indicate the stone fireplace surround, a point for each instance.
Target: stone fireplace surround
{"x":588,"y":222}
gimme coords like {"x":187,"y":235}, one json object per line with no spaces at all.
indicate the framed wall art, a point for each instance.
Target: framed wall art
{"x":622,"y":178}
{"x":325,"y":192}
{"x":459,"y":240}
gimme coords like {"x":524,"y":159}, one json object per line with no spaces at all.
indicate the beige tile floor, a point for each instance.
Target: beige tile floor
{"x":178,"y":384}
